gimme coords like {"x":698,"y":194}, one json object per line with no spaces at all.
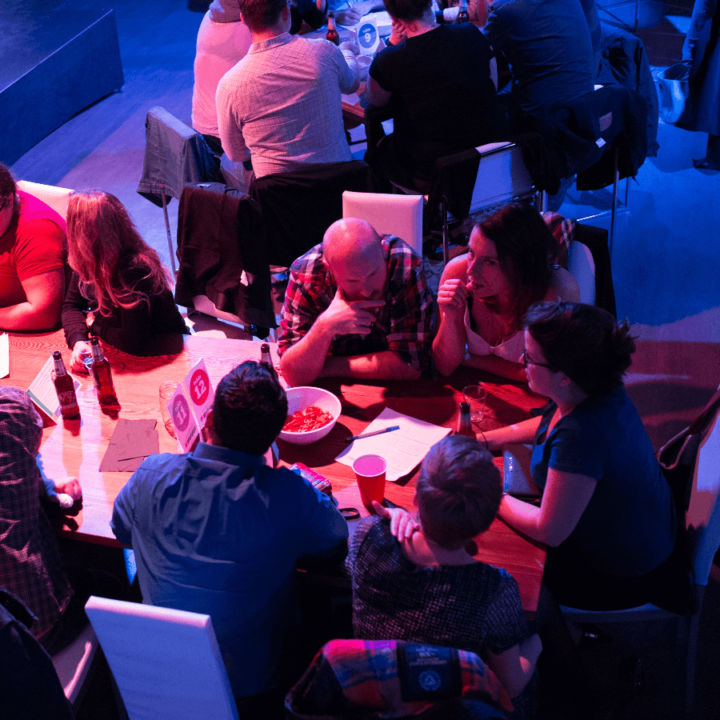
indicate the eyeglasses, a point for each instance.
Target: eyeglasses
{"x":527,"y":360}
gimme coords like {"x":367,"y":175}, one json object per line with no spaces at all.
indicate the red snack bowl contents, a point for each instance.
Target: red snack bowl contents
{"x":314,"y":408}
{"x":311,"y":418}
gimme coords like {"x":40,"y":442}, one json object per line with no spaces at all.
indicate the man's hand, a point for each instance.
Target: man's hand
{"x":402,"y":523}
{"x":452,"y":297}
{"x":69,"y":486}
{"x":351,"y":46}
{"x":398,"y":33}
{"x":81,"y":350}
{"x":349,"y":318}
{"x":348,"y":17}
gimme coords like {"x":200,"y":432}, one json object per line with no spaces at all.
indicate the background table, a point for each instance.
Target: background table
{"x":76,"y":447}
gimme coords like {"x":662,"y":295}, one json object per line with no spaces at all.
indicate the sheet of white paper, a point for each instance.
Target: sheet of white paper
{"x":403,"y":449}
{"x":4,"y":355}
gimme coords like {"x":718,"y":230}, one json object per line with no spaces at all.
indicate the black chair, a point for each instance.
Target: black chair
{"x":298,"y":207}
{"x":223,"y":256}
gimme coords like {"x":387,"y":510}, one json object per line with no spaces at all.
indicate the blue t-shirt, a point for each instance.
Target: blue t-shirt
{"x":218,"y":532}
{"x":628,"y":527}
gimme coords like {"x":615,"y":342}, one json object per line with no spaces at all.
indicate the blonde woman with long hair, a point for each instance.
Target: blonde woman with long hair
{"x":119,"y":290}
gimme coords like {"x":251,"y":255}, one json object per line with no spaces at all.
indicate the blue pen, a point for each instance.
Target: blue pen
{"x":373,"y":434}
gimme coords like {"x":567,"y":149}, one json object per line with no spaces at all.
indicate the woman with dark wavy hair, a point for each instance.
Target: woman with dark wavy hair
{"x":119,"y":289}
{"x":483,"y":295}
{"x":607,"y":511}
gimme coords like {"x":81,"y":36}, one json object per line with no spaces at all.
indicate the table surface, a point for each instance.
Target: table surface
{"x":76,"y":447}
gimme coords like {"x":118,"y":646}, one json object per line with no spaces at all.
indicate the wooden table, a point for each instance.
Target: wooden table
{"x":76,"y":447}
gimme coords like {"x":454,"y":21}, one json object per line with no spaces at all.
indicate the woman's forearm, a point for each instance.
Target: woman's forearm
{"x":448,"y":348}
{"x":522,"y":432}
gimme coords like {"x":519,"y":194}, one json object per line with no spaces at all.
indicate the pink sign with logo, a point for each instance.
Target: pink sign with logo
{"x":199,"y":391}
{"x":186,"y":427}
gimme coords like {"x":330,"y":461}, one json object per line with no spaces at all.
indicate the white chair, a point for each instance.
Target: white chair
{"x":73,"y":665}
{"x":400,"y":215}
{"x":703,"y":526}
{"x":56,"y":197}
{"x":166,"y":663}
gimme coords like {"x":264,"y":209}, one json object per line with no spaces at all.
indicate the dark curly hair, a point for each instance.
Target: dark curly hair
{"x":458,"y":491}
{"x":407,"y":9}
{"x":584,"y":342}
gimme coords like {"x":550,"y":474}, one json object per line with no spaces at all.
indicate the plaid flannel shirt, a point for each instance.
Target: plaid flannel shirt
{"x":404,"y":324}
{"x":30,"y":562}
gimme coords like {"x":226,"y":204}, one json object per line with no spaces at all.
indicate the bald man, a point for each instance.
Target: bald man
{"x":357,"y":305}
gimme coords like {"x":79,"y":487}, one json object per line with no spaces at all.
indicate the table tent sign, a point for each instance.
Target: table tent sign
{"x":190,"y":404}
{"x":42,"y":394}
{"x":368,"y":37}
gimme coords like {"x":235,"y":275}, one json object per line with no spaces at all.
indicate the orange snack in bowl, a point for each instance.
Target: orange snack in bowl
{"x":311,"y":418}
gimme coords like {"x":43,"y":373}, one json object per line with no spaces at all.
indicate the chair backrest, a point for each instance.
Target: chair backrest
{"x":582,"y":267}
{"x":175,"y":155}
{"x":399,"y":215}
{"x":502,"y":176}
{"x":703,"y":514}
{"x":298,"y":206}
{"x":166,"y":663}
{"x":56,"y":197}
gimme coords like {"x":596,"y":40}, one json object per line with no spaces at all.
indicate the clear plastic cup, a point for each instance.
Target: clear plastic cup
{"x":476,"y":395}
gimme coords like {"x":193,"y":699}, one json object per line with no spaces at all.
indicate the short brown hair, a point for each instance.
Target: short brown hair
{"x":458,"y":491}
{"x":407,"y":9}
{"x":260,"y":15}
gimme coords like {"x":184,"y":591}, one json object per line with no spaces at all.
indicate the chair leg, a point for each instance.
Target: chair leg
{"x":445,"y":233}
{"x":169,"y":236}
{"x":616,"y":180}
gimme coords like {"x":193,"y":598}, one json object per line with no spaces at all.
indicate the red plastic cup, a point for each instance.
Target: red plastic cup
{"x":370,"y":473}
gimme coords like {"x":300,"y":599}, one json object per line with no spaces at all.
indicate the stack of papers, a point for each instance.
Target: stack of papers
{"x":402,"y":449}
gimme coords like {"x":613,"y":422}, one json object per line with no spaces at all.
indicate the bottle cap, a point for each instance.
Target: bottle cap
{"x":464,"y":407}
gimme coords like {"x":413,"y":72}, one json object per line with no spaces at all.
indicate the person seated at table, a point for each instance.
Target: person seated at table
{"x":32,"y":271}
{"x":440,"y":82}
{"x":607,"y":512}
{"x":217,"y":531}
{"x":119,"y":289}
{"x":357,"y":305}
{"x":280,"y":107}
{"x":223,"y":40}
{"x":484,"y":294}
{"x":31,"y":564}
{"x":421,"y":583}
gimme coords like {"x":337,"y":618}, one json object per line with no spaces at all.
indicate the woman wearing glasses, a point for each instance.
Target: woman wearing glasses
{"x":483,"y":295}
{"x":607,"y":512}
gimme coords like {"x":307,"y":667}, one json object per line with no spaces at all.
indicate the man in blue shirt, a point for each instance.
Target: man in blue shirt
{"x":218,"y":532}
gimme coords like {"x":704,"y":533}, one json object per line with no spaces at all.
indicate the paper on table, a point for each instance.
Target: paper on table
{"x":4,"y":355}
{"x":402,"y":449}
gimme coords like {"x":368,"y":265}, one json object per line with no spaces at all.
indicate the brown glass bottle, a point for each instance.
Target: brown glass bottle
{"x":266,"y":359}
{"x":463,"y":14}
{"x":65,"y":389}
{"x":103,"y":376}
{"x":464,"y":426}
{"x":332,"y":33}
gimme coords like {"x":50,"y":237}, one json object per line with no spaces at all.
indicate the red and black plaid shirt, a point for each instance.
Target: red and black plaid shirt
{"x":404,"y":324}
{"x":30,"y":563}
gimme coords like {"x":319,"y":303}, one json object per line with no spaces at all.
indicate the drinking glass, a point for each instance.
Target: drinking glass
{"x":475,"y":395}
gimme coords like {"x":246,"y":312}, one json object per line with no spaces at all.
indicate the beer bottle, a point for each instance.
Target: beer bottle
{"x":65,"y":388}
{"x":332,"y":33}
{"x":463,"y":14}
{"x":103,"y":376}
{"x":266,"y":359}
{"x":464,"y":423}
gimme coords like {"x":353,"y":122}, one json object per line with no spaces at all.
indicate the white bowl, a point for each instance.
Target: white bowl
{"x":301,"y":397}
